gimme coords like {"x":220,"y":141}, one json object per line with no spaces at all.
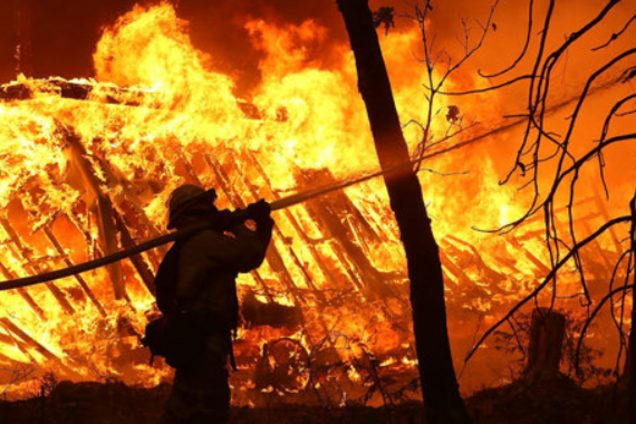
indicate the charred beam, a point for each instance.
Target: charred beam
{"x":146,"y":275}
{"x":81,"y":176}
{"x":531,"y":257}
{"x":490,"y":273}
{"x":273,"y":257}
{"x":326,"y":212}
{"x":100,"y":93}
{"x":279,"y":234}
{"x":136,"y":218}
{"x":77,"y":91}
{"x":31,"y":342}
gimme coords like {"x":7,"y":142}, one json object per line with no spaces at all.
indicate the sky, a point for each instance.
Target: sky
{"x":65,"y":32}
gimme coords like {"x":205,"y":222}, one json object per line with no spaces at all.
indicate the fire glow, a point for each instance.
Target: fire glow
{"x":86,"y":167}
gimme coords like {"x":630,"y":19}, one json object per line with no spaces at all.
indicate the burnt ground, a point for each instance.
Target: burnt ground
{"x":556,"y":401}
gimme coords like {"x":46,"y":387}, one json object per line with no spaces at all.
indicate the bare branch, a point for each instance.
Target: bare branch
{"x":550,"y":277}
{"x":615,"y":35}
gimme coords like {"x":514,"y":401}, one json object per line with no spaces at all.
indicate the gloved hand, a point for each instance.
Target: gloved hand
{"x":259,"y":210}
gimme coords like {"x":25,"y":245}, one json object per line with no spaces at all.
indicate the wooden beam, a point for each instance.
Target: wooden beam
{"x":8,"y":275}
{"x":80,"y":280}
{"x":235,"y":203}
{"x":144,"y":271}
{"x":34,"y":268}
{"x":279,"y":234}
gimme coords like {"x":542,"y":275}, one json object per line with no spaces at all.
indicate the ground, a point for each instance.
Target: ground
{"x":558,"y":401}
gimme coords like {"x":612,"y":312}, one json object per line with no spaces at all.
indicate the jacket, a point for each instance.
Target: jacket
{"x":199,"y":274}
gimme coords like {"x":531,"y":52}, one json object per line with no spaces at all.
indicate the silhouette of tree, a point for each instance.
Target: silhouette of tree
{"x":440,"y":390}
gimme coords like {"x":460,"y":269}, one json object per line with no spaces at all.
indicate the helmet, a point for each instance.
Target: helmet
{"x":185,"y":196}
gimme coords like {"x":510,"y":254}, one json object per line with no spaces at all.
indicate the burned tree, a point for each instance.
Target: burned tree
{"x":547,"y":332}
{"x":437,"y":375}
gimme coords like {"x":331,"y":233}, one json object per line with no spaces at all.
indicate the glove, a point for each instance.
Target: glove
{"x":259,"y":210}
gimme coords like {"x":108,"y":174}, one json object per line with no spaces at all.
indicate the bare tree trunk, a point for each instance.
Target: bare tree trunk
{"x":440,"y":390}
{"x":547,"y":332}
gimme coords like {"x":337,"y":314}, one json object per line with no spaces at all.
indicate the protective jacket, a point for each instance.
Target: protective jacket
{"x":199,"y":274}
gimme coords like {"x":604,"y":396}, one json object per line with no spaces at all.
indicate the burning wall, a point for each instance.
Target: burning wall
{"x":86,"y":167}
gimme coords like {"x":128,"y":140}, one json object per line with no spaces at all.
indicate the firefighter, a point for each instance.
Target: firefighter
{"x":196,"y":282}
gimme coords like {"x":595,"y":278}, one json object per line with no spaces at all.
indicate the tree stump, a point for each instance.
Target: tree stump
{"x":547,"y":331}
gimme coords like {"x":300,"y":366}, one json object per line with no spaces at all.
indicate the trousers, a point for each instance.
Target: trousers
{"x":201,"y":391}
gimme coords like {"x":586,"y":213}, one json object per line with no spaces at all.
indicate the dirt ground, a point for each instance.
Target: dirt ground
{"x":559,"y":401}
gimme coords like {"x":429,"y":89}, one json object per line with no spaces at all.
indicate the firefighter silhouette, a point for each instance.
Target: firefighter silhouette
{"x":196,"y":292}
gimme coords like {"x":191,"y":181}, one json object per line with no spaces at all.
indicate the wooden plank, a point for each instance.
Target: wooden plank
{"x":145,"y":274}
{"x":31,"y":342}
{"x":491,"y":273}
{"x":272,"y":257}
{"x":328,"y":212}
{"x":100,"y":93}
{"x":545,"y":270}
{"x":279,"y":234}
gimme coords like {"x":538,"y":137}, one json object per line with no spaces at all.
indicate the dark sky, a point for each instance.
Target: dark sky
{"x":65,"y":32}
